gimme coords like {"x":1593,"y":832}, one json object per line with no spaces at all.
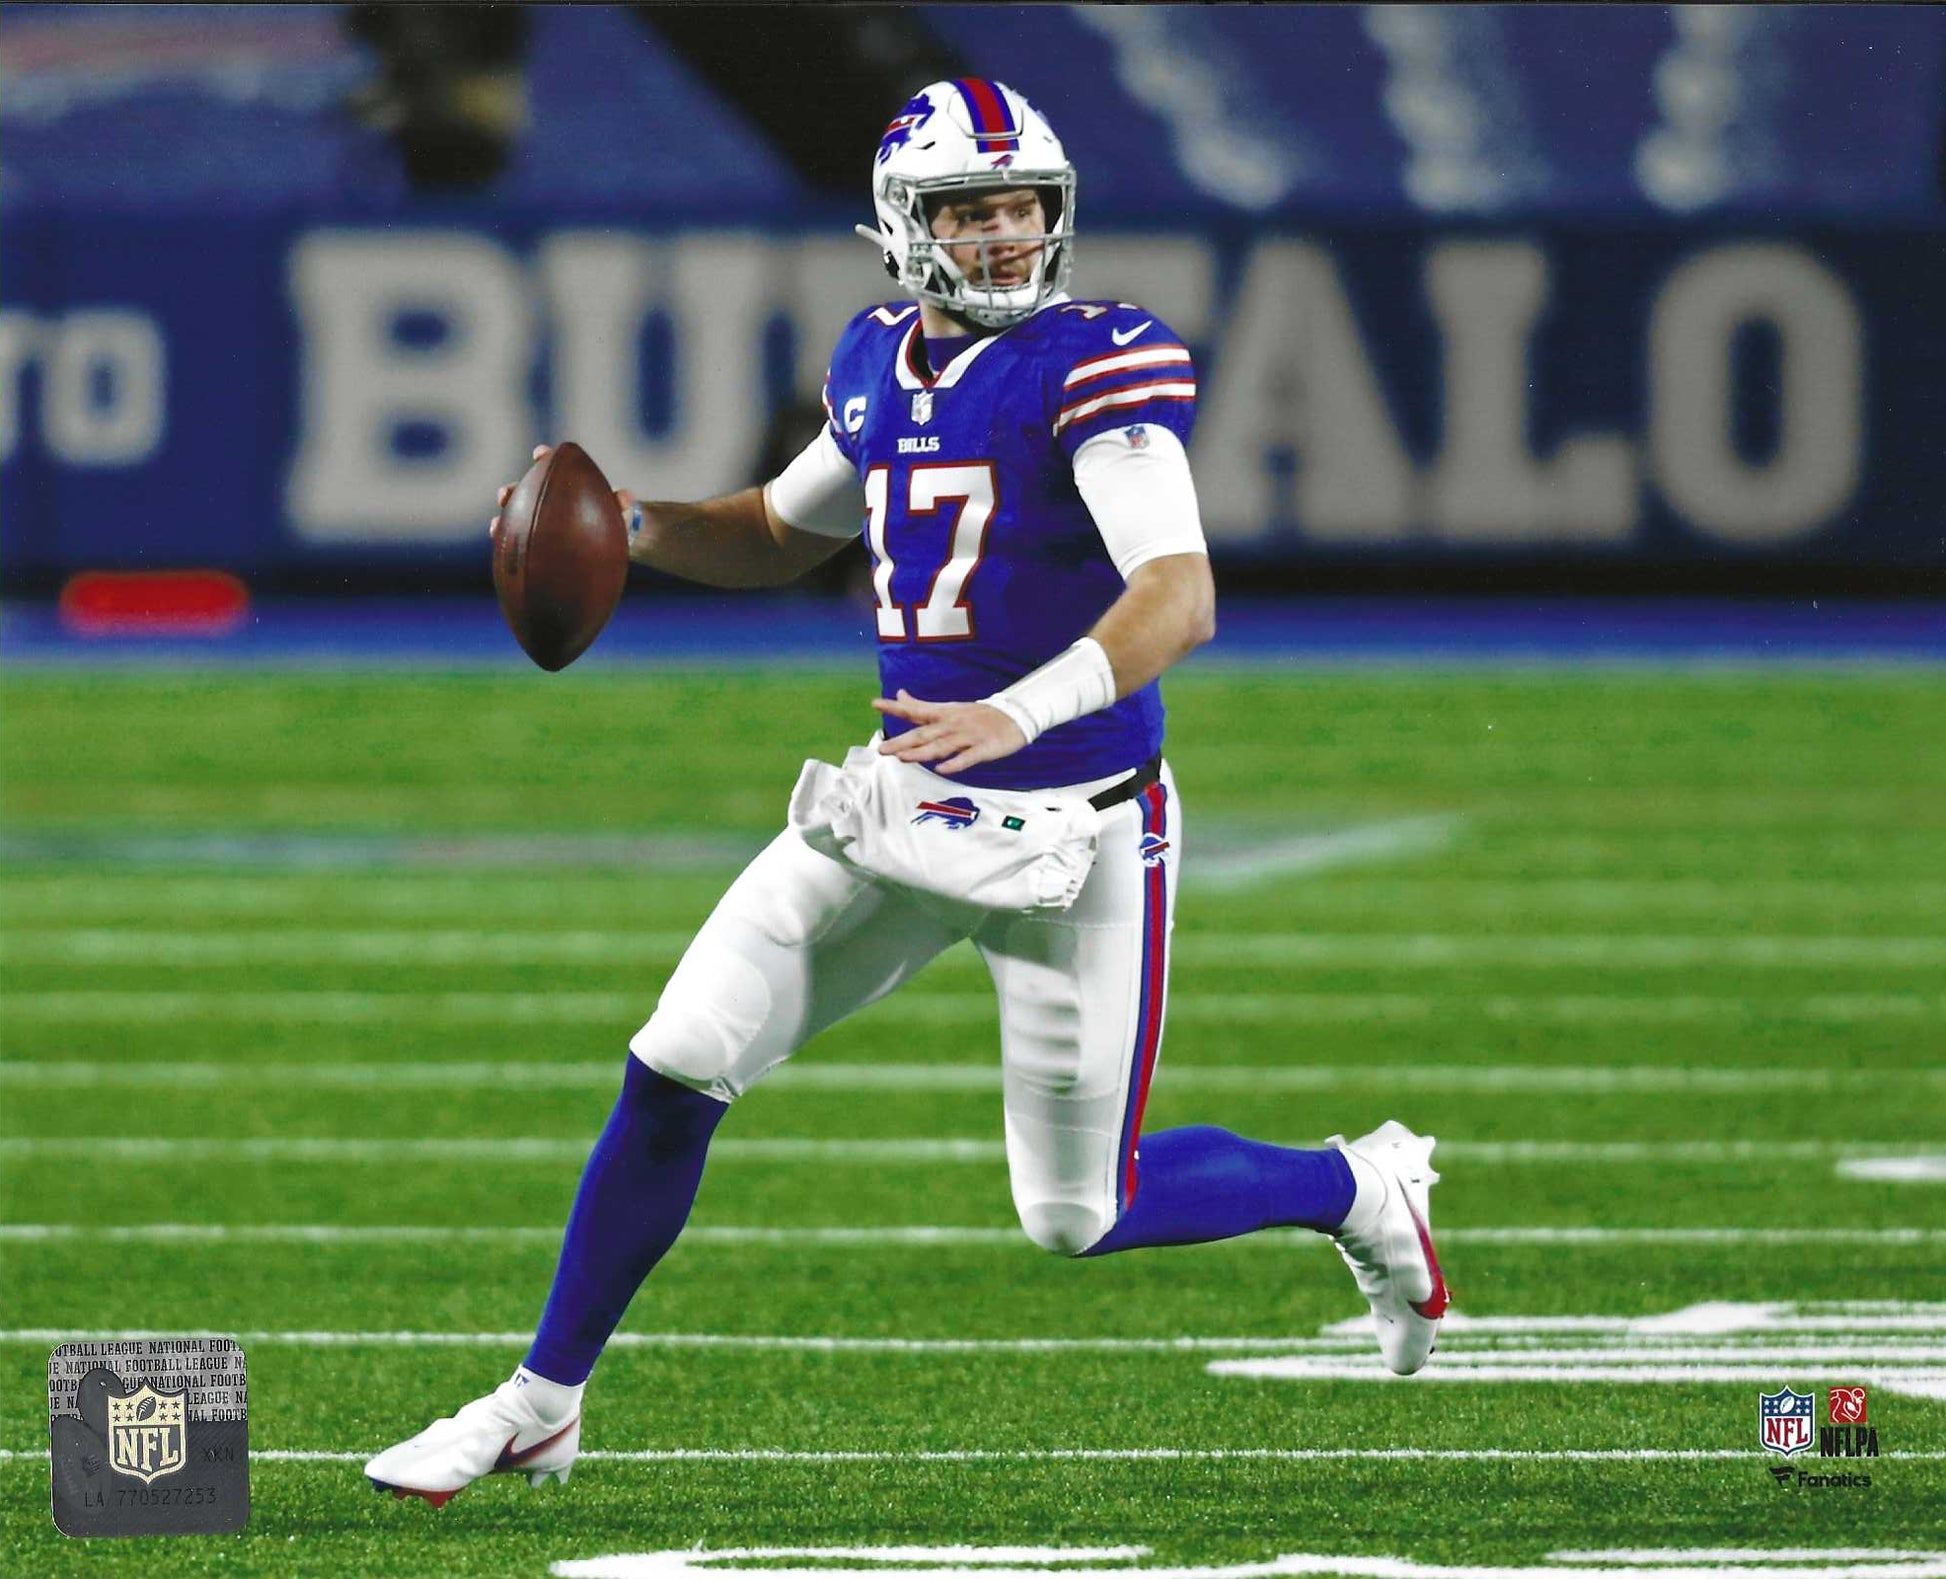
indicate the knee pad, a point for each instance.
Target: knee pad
{"x":710,"y":1015}
{"x":1062,"y":1228}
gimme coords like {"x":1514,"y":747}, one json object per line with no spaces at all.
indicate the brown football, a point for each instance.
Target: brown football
{"x":561,"y":559}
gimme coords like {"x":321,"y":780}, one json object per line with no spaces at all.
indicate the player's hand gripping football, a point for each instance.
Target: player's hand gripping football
{"x":541,"y":451}
{"x":963,"y":734}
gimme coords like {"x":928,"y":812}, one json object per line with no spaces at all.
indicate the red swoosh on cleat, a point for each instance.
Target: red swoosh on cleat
{"x":509,"y":1459}
{"x":1433,"y":1306}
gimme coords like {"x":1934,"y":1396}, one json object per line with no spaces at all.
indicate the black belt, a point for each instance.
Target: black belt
{"x":1150,"y":772}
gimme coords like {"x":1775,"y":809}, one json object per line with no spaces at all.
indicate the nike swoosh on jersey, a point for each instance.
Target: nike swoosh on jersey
{"x":1123,"y":336}
{"x":509,"y":1459}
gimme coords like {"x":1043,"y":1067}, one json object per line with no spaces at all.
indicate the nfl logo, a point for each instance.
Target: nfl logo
{"x":147,"y":1435}
{"x":922,"y":407}
{"x":1784,"y":1421}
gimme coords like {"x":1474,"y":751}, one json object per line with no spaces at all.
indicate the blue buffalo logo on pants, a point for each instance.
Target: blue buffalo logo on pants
{"x":1784,"y":1421}
{"x":956,"y":812}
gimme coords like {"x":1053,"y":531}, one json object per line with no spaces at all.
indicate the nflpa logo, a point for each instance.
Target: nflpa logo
{"x":1847,"y":1406}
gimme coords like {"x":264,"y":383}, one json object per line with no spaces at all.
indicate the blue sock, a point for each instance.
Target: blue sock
{"x":634,"y":1198}
{"x":1202,"y":1183}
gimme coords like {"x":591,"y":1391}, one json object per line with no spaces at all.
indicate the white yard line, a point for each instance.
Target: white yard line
{"x":447,"y":890}
{"x":1930,"y":1169}
{"x":328,"y":1008}
{"x":1439,"y":951}
{"x":513,"y":1148}
{"x":1101,"y":1455}
{"x":1237,"y":855}
{"x":1722,"y":1319}
{"x":1736,"y":1554}
{"x":418,"y":947}
{"x":893,"y":1236}
{"x":917,"y":1149}
{"x":337,"y":1008}
{"x":1927,"y":1381}
{"x":782,"y":1343}
{"x":1652,"y":1079}
{"x":1566,"y":1235}
{"x":1516,"y":1354}
{"x":818,"y":1344}
{"x":1233,"y":865}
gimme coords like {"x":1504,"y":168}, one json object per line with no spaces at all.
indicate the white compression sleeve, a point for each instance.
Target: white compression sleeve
{"x":819,"y":491}
{"x":1076,"y":681}
{"x":1136,"y":484}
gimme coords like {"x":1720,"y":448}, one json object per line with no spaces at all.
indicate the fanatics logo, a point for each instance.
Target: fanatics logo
{"x":1784,"y":1421}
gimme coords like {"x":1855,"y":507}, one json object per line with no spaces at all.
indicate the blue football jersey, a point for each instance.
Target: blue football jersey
{"x":986,"y":562}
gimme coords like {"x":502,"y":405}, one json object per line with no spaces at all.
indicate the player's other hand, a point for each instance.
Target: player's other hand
{"x":949,"y":736}
{"x":541,"y":452}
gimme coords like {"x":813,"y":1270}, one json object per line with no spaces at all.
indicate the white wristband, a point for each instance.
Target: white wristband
{"x":1079,"y":680}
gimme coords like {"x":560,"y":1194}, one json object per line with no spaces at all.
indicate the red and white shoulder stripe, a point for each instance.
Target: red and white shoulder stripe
{"x":1134,"y":395}
{"x":1126,"y":378}
{"x":1123,"y":361}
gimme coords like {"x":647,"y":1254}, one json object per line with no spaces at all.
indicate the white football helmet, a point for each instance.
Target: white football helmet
{"x":968,"y":136}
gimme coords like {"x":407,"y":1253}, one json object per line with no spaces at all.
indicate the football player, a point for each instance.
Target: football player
{"x":1017,"y":461}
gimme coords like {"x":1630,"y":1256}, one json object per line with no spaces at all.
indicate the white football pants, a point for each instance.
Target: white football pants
{"x":800,"y":941}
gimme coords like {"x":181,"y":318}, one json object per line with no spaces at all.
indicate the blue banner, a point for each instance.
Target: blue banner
{"x":258,"y":393}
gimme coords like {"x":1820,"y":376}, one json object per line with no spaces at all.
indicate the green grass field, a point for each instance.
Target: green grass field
{"x":317,"y":987}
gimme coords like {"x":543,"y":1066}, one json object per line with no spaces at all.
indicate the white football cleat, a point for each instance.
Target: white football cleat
{"x":496,"y":1435}
{"x":1387,"y":1242}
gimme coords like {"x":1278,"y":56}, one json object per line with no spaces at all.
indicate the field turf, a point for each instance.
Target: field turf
{"x":317,"y":987}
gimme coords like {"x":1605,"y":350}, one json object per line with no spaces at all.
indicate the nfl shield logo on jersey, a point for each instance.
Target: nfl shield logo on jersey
{"x":922,"y":407}
{"x":1784,"y":1421}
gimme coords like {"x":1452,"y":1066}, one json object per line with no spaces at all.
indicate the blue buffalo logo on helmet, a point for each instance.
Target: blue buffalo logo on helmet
{"x":955,"y":811}
{"x":917,"y":111}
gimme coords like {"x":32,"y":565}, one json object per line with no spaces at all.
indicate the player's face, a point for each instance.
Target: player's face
{"x":988,"y":231}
